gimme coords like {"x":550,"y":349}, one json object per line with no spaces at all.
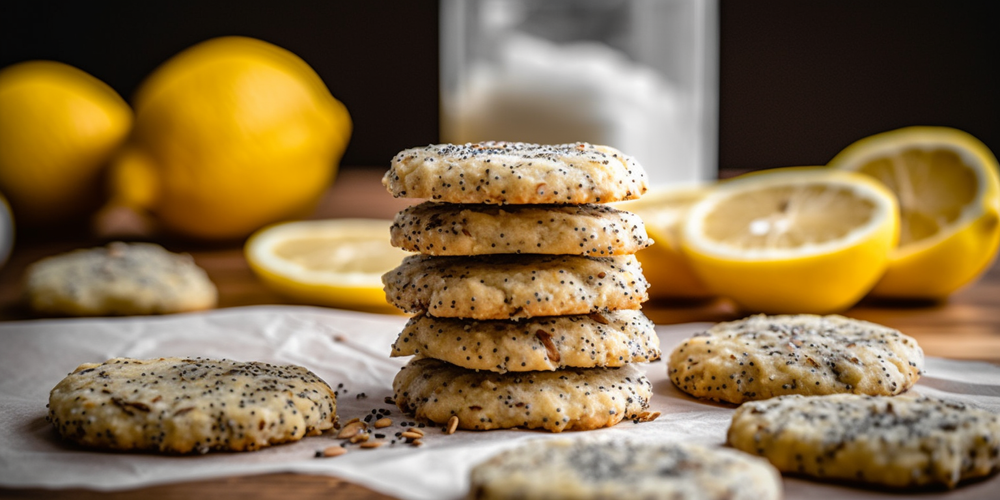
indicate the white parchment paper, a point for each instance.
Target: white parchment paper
{"x":346,"y":348}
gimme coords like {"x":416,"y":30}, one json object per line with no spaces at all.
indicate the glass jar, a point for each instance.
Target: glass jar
{"x":638,"y":75}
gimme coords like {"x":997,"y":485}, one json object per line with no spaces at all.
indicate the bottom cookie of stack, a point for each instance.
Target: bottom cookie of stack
{"x":566,"y":399}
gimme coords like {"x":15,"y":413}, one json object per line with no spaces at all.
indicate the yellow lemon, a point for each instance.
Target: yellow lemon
{"x":949,"y":201}
{"x":334,"y":262}
{"x":793,"y":240}
{"x":59,"y":127}
{"x":231,"y":134}
{"x":666,"y":268}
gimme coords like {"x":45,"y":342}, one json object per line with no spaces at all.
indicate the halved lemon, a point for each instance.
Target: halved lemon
{"x":793,"y":240}
{"x":666,"y":268}
{"x":949,"y":201}
{"x":334,"y":262}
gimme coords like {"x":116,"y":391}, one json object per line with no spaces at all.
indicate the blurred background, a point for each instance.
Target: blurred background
{"x":220,"y":137}
{"x":797,"y":81}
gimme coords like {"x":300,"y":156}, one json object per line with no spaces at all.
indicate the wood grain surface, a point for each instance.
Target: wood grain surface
{"x":966,"y":326}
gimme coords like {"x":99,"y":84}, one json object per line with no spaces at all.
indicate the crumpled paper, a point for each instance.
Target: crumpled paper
{"x":352,"y":349}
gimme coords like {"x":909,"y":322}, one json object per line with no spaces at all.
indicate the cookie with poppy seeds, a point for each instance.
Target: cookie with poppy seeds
{"x":903,"y":441}
{"x":118,"y":279}
{"x":605,"y":468}
{"x":515,"y":286}
{"x":613,"y":338}
{"x":446,"y":229}
{"x":561,"y":400}
{"x":515,"y":173}
{"x":761,"y":357}
{"x":189,"y":405}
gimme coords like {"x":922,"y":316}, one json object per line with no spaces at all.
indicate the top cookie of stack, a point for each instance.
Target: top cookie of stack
{"x":509,"y":173}
{"x":520,"y":271}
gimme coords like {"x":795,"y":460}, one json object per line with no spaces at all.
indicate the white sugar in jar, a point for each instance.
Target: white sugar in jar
{"x":638,"y":75}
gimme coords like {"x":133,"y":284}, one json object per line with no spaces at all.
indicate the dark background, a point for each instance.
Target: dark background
{"x":799,"y":80}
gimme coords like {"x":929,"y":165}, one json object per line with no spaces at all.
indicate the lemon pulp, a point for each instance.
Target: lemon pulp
{"x":358,"y":255}
{"x":787,"y":219}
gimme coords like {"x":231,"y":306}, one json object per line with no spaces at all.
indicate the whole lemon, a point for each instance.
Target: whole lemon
{"x":231,"y":134}
{"x":58,"y":128}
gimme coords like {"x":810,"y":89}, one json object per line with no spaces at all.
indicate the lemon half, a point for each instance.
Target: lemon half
{"x":334,"y":262}
{"x":949,"y":200}
{"x":666,"y":268}
{"x":793,"y":240}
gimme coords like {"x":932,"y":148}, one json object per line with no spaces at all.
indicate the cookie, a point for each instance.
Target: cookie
{"x":607,"y":339}
{"x":515,"y":286}
{"x":447,"y":229}
{"x":765,"y":356}
{"x":119,"y":279}
{"x":891,"y":441}
{"x":515,"y":173}
{"x":569,"y":399}
{"x":605,"y":468}
{"x":184,"y":405}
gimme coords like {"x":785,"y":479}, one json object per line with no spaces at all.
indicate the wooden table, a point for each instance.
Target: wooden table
{"x":967,"y":326}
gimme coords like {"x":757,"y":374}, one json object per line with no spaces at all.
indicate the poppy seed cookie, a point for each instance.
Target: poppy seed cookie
{"x":891,"y":441}
{"x":446,"y":229}
{"x":569,"y":399}
{"x":515,"y":173}
{"x":184,"y":405}
{"x":607,"y":339}
{"x":765,"y":356}
{"x":119,"y":279}
{"x":515,"y":286}
{"x":604,"y":469}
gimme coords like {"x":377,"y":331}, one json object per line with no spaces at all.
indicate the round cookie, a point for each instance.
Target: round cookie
{"x":606,"y":339}
{"x":515,"y":286}
{"x":765,"y":356}
{"x":892,"y":441}
{"x":119,"y":279}
{"x":515,"y":173}
{"x":184,"y":405}
{"x":447,"y":229}
{"x":603,"y":468}
{"x":569,"y":399}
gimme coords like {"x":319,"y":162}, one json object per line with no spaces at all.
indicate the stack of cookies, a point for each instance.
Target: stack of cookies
{"x":526,"y":292}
